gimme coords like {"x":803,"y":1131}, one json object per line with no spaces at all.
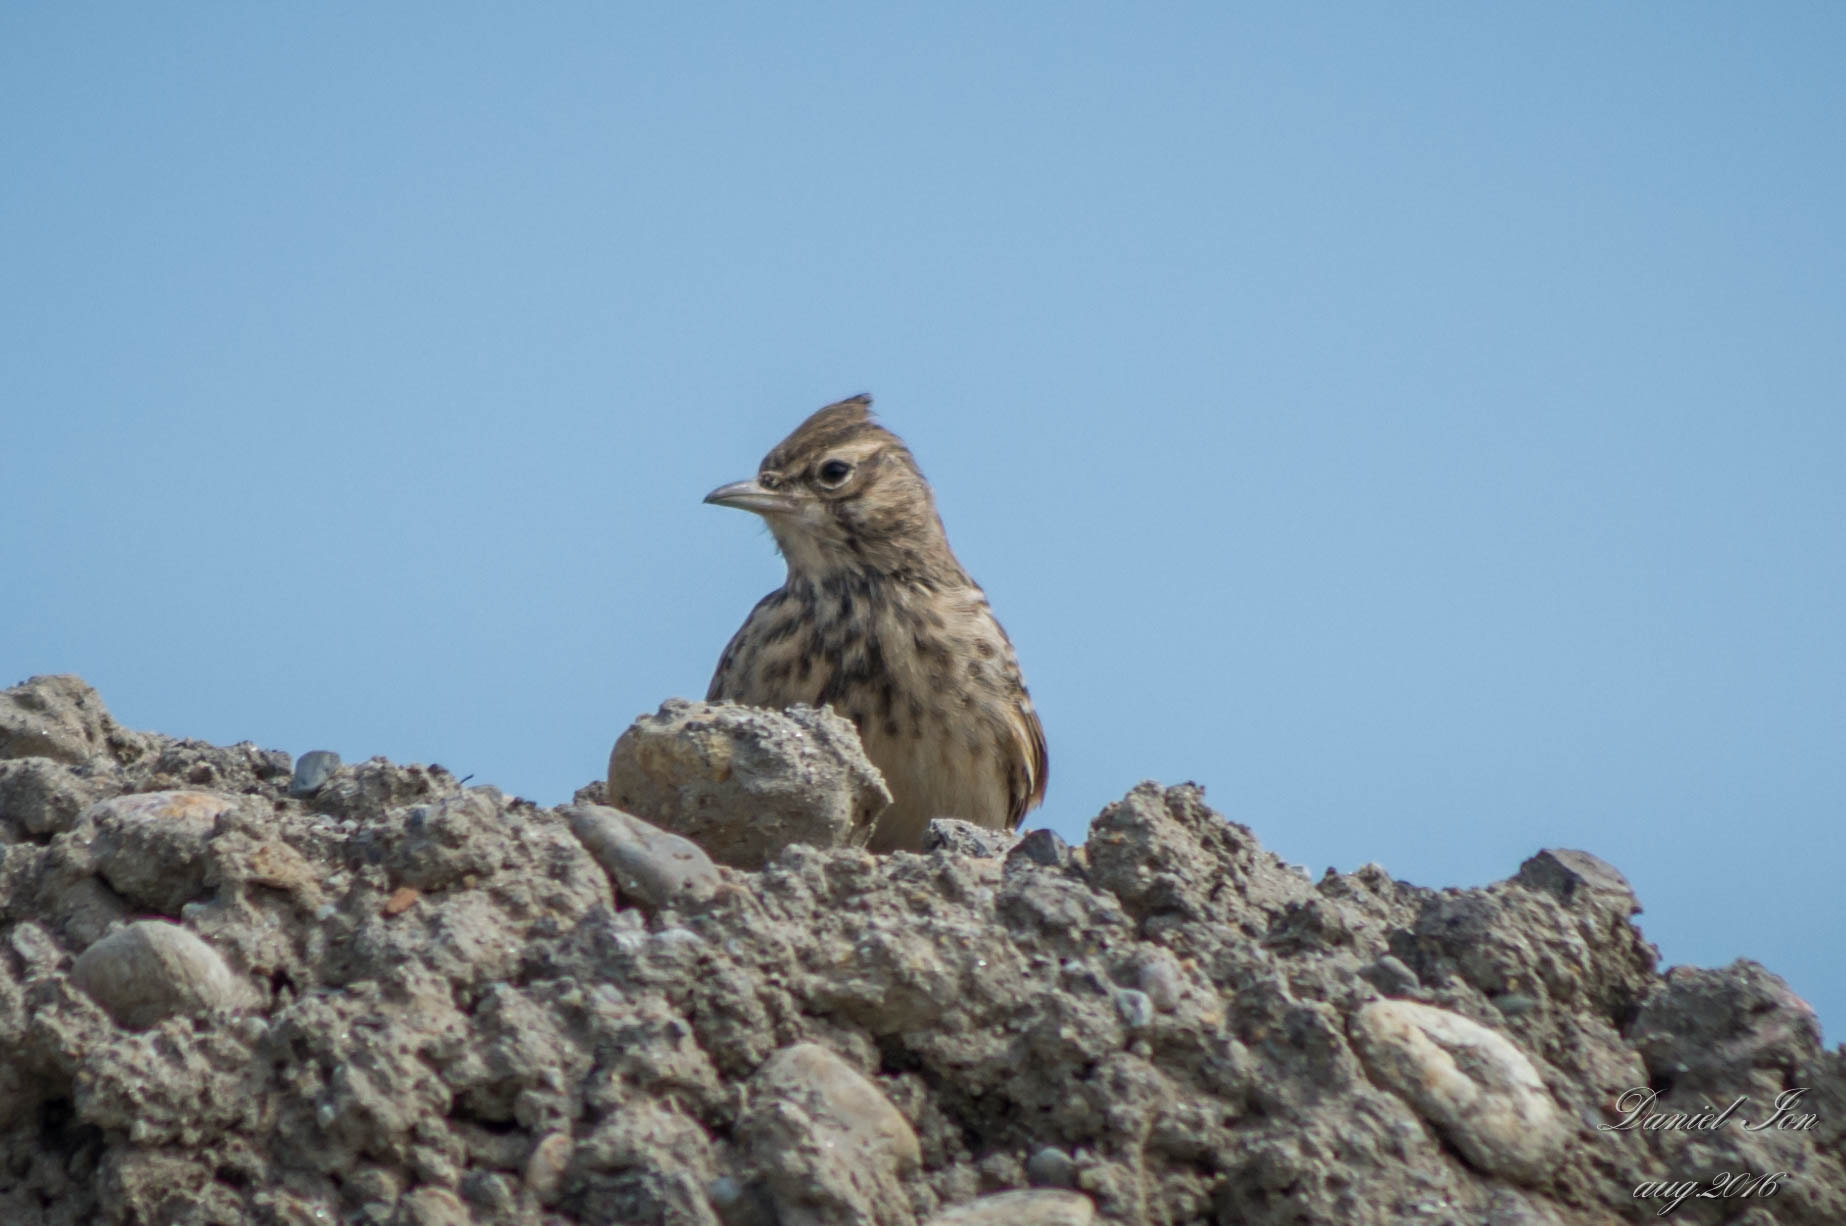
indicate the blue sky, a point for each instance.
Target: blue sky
{"x":1422,"y":426}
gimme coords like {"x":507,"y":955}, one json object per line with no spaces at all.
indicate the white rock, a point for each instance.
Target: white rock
{"x":1471,"y":1083}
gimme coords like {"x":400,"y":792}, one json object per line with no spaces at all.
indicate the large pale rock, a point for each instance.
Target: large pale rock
{"x":827,"y":1143}
{"x":151,"y":846}
{"x":152,"y":970}
{"x":743,"y":782}
{"x":1478,"y":1089}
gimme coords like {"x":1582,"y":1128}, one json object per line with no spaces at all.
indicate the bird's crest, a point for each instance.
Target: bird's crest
{"x":827,"y":428}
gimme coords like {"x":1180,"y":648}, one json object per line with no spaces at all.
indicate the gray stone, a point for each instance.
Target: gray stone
{"x":545,"y":1167}
{"x":1389,"y":975}
{"x":1041,"y":847}
{"x":1051,"y":1167}
{"x":152,"y":847}
{"x":1158,"y":975}
{"x":1135,"y":1007}
{"x":952,"y":834}
{"x":1711,"y":1031}
{"x":152,"y":970}
{"x":375,"y":785}
{"x":57,"y":717}
{"x":312,"y":770}
{"x":658,"y":868}
{"x":825,"y":1142}
{"x":743,"y":782}
{"x":42,"y":797}
{"x":35,"y":947}
{"x":1167,"y":856}
{"x":1568,"y":874}
{"x":649,"y":1162}
{"x":491,"y":1194}
{"x":1514,"y":1004}
{"x":844,"y":1108}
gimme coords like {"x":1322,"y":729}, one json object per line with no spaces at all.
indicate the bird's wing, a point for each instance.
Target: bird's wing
{"x":1030,"y":767}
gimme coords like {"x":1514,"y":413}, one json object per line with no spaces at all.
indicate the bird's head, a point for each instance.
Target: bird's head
{"x":843,"y":495}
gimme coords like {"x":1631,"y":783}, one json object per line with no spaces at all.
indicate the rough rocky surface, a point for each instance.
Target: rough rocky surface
{"x":801,"y":775}
{"x":425,"y":1003}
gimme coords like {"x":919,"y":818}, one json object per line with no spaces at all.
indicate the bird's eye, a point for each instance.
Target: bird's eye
{"x":834,"y":471}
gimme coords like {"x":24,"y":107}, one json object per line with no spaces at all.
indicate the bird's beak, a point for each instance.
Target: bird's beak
{"x":750,"y":496}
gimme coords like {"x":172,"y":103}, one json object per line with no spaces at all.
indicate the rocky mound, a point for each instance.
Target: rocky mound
{"x":236,"y":988}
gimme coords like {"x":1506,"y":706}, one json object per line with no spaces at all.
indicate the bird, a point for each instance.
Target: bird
{"x":878,"y":620}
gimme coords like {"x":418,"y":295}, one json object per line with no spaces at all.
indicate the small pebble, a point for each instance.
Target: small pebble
{"x":35,"y":946}
{"x":1513,"y":1004}
{"x":1042,"y":847}
{"x":313,"y":769}
{"x":489,"y":1192}
{"x":951,"y":834}
{"x":1160,"y":978}
{"x":741,"y":1203}
{"x":1135,"y":1006}
{"x":1051,"y":1167}
{"x":402,"y":899}
{"x":655,"y":867}
{"x":1390,"y":975}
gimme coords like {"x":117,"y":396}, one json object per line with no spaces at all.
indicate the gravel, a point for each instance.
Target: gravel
{"x":227,"y":996}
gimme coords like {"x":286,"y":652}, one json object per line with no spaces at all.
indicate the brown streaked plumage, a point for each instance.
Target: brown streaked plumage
{"x":878,"y":620}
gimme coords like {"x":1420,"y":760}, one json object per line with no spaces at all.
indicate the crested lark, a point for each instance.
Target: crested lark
{"x":879,"y":620}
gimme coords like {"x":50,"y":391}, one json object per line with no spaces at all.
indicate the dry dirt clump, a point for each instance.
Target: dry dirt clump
{"x":232,"y":990}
